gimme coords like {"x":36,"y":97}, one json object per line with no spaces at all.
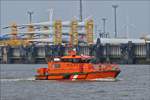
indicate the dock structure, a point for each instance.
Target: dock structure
{"x":126,"y":53}
{"x":57,"y":38}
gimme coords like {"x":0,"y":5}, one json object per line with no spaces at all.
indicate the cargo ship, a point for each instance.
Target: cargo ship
{"x":77,"y":67}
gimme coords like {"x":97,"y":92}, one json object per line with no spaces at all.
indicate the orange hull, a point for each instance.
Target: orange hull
{"x":74,"y":67}
{"x":101,"y":75}
{"x":80,"y":76}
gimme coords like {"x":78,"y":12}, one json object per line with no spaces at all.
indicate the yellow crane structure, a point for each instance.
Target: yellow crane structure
{"x":14,"y":30}
{"x":14,"y":41}
{"x":89,"y":31}
{"x":57,"y":32}
{"x":74,"y":33}
{"x":30,"y":29}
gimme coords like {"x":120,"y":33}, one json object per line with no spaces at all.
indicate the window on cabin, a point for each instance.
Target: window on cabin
{"x":77,"y":60}
{"x":56,"y":65}
{"x":66,"y":60}
{"x":85,"y":60}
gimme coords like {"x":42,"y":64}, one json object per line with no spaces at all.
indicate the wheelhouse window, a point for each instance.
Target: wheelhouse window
{"x":56,"y":65}
{"x":75,"y":60}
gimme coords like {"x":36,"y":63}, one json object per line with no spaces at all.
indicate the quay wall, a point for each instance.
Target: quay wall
{"x":129,"y":53}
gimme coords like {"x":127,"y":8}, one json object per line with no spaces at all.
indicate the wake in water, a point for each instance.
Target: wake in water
{"x":106,"y":80}
{"x":18,"y":79}
{"x":33,"y":78}
{"x":94,"y":80}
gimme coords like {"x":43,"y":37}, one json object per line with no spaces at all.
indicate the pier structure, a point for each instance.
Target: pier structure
{"x":128,"y":53}
{"x":65,"y":35}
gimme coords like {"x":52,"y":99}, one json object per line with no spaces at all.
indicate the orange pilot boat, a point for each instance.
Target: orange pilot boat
{"x":75,"y":67}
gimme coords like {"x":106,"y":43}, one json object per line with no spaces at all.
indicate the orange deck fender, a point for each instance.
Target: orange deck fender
{"x":42,"y":71}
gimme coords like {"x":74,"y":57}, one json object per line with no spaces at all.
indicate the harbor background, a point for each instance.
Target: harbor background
{"x":130,"y":25}
{"x":17,"y":81}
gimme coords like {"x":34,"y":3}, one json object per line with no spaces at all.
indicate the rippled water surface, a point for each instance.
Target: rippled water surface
{"x":17,"y":83}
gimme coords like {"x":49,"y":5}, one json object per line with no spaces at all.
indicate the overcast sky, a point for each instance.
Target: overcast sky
{"x":137,"y":12}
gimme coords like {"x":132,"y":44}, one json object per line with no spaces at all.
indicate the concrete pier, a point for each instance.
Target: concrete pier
{"x":128,"y":53}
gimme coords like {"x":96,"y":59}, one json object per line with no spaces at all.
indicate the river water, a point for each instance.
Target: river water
{"x":17,"y":83}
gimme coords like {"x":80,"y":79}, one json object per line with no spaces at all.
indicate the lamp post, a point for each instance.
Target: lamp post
{"x":104,"y":25}
{"x":115,"y":19}
{"x":30,"y":16}
{"x":81,"y":10}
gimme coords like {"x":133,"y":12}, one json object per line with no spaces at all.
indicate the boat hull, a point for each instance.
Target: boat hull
{"x":80,"y":76}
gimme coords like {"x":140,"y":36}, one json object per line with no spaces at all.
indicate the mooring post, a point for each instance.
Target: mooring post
{"x":124,"y":55}
{"x":5,"y":55}
{"x":77,"y":49}
{"x":46,"y":52}
{"x":55,"y":50}
{"x":108,"y":52}
{"x":130,"y":52}
{"x":25,"y":56}
{"x":98,"y":50}
{"x":21,"y":51}
{"x":24,"y":53}
{"x":60,"y":50}
{"x":34,"y":53}
{"x":148,"y":52}
{"x":9,"y":50}
{"x":91,"y":50}
{"x":31,"y":53}
{"x":1,"y":54}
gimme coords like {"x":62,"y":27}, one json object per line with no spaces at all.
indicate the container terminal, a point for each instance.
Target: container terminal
{"x":44,"y":40}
